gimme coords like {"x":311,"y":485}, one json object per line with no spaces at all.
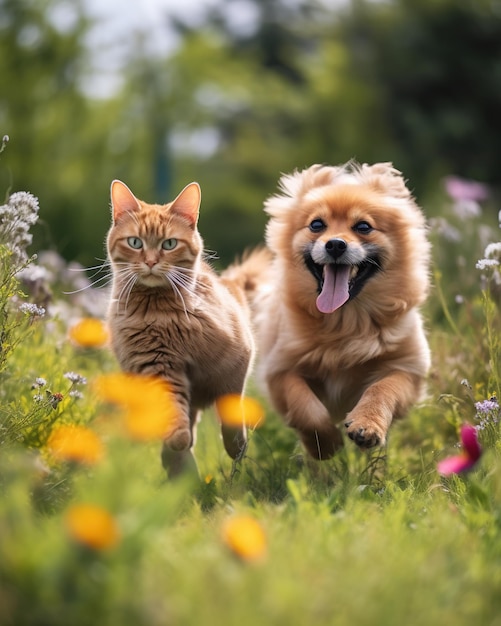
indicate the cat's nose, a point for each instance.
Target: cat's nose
{"x":150,"y":262}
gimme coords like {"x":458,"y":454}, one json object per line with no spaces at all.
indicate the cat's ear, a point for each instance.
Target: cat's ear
{"x":122,"y":200}
{"x":187,"y":203}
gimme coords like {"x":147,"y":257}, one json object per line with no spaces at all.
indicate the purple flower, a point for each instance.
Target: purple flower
{"x":469,"y":457}
{"x":486,"y":406}
{"x":462,"y":189}
{"x":487,"y":413}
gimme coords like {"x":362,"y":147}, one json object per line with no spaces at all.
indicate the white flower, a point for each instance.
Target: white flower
{"x":33,"y":310}
{"x":16,"y":219}
{"x":75,"y":378}
{"x":492,"y":257}
{"x":493,"y":251}
{"x":484,"y":264}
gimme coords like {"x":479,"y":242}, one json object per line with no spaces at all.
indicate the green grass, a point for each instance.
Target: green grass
{"x":376,"y":539}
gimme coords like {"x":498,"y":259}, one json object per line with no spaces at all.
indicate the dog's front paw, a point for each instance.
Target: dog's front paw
{"x":365,"y":435}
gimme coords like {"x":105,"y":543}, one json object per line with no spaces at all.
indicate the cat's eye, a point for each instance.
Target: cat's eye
{"x":317,"y":225}
{"x":135,"y":242}
{"x":169,"y":244}
{"x":363,"y":227}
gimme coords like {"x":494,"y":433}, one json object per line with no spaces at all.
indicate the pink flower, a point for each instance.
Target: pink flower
{"x":465,"y":461}
{"x":462,"y":189}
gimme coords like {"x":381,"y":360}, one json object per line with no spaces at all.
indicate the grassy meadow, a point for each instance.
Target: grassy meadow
{"x":91,"y":532}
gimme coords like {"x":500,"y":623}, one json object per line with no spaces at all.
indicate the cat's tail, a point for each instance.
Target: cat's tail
{"x":250,"y":273}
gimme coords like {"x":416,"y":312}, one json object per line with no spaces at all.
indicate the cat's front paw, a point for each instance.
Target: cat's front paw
{"x":180,"y":439}
{"x":235,"y":441}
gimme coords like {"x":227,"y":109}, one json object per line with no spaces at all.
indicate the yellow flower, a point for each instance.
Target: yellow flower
{"x":75,"y":443}
{"x":235,"y":410}
{"x":92,"y":526}
{"x":245,"y":537}
{"x":89,"y":333}
{"x":148,"y":404}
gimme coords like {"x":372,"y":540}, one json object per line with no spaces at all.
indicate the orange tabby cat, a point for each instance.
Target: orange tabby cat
{"x":172,"y":316}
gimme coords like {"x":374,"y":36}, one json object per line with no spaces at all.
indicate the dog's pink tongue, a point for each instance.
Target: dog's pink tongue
{"x":335,"y":289}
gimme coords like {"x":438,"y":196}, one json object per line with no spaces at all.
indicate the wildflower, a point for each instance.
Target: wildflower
{"x":89,"y":333}
{"x":75,"y":443}
{"x":487,"y":412}
{"x":76,"y":394}
{"x":460,"y":189}
{"x":486,"y":406}
{"x":39,"y":382}
{"x":92,"y":526}
{"x":235,"y":410}
{"x":483,"y":264}
{"x":75,"y":378}
{"x":469,"y":457}
{"x":492,"y":257}
{"x":148,"y":404}
{"x":33,"y":310}
{"x":444,"y":229}
{"x":493,"y":251}
{"x":16,"y":219}
{"x":245,"y":537}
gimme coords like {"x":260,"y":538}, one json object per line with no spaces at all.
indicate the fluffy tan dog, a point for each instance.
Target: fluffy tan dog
{"x":335,"y":299}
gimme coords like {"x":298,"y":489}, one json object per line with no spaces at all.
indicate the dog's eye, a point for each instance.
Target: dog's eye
{"x":364,"y":228}
{"x":317,"y":225}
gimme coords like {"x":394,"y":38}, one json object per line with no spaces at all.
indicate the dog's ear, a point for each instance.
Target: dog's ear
{"x":385,"y":178}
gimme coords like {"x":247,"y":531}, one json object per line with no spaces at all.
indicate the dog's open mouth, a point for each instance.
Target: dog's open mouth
{"x":338,"y":283}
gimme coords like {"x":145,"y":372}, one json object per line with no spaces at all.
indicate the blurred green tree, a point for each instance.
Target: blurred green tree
{"x":437,"y":65}
{"x":66,"y":145}
{"x":417,"y":82}
{"x":42,"y":109}
{"x":260,"y":101}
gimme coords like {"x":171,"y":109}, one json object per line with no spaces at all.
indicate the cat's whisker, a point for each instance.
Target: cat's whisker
{"x":184,"y":278}
{"x":209,"y":255}
{"x":128,"y":285}
{"x":132,"y":283}
{"x":105,"y":280}
{"x":89,"y":269}
{"x":126,"y":304}
{"x":123,"y":270}
{"x":178,"y":293}
{"x":184,"y":270}
{"x":181,"y":281}
{"x":96,"y":269}
{"x":184,"y":281}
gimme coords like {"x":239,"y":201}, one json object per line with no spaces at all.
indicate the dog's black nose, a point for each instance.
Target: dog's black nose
{"x":335,"y":247}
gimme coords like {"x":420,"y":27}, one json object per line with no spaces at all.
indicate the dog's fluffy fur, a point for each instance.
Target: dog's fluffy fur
{"x":335,"y":298}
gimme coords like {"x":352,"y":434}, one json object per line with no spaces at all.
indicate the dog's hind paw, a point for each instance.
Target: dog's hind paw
{"x":322,"y":444}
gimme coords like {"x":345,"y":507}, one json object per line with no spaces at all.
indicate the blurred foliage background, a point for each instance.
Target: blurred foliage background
{"x":416,"y":82}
